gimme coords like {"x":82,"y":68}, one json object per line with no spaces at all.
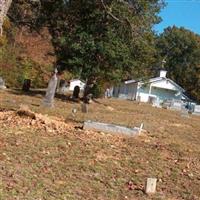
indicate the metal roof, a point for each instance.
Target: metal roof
{"x":156,"y":79}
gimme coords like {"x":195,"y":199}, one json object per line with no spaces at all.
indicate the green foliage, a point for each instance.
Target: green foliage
{"x":181,"y":48}
{"x":97,"y":90}
{"x":102,"y":40}
{"x":96,"y":40}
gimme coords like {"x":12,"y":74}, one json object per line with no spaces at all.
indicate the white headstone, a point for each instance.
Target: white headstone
{"x":176,"y":105}
{"x":51,"y":89}
{"x":197,"y":109}
{"x":184,"y":112}
{"x":150,"y":186}
{"x":2,"y":83}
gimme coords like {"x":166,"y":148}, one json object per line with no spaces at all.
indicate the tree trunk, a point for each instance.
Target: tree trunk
{"x":87,"y":95}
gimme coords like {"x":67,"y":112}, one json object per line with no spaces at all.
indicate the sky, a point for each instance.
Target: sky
{"x":184,"y":13}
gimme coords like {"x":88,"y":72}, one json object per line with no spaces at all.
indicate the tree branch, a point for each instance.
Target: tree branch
{"x":109,"y":13}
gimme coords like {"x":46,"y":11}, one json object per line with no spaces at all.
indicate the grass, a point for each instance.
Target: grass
{"x":36,"y":163}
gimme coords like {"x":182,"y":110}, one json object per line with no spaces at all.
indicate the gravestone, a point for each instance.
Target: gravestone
{"x":150,"y":186}
{"x":74,"y":111}
{"x":62,"y":87}
{"x":2,"y":83}
{"x":156,"y":103}
{"x":76,"y":92}
{"x":88,"y":99}
{"x":108,"y":93}
{"x":196,"y":110}
{"x":176,"y":105}
{"x":184,"y":112}
{"x":51,"y":89}
{"x":26,"y":85}
{"x":84,"y":108}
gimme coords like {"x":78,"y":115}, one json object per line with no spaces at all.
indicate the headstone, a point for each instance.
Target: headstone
{"x":184,"y":112}
{"x":62,"y":89}
{"x":89,"y":98}
{"x":138,"y":98}
{"x":108,"y":93}
{"x":26,"y":85}
{"x":190,"y":106}
{"x":51,"y":89}
{"x":156,"y":104}
{"x":2,"y":83}
{"x":150,"y":186}
{"x":76,"y":92}
{"x":152,"y":99}
{"x":167,"y":104}
{"x":196,"y":110}
{"x":84,"y":108}
{"x":176,"y":105}
{"x":74,"y":111}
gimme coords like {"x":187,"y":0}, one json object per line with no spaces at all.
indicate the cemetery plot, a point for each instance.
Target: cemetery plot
{"x":44,"y":155}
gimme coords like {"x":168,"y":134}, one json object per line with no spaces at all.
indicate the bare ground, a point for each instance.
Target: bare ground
{"x":51,"y":157}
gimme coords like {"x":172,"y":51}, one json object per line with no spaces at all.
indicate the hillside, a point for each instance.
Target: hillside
{"x":36,"y":46}
{"x":26,"y":55}
{"x":51,"y":157}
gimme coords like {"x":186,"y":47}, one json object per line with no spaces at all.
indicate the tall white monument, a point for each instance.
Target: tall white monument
{"x":51,"y":90}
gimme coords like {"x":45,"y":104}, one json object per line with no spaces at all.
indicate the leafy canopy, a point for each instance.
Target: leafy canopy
{"x":181,"y":49}
{"x":97,"y":39}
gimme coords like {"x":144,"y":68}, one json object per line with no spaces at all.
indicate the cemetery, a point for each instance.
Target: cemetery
{"x":33,"y":131}
{"x":97,"y":103}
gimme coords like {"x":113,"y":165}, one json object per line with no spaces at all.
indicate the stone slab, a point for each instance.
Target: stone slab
{"x":110,"y":128}
{"x":150,"y":186}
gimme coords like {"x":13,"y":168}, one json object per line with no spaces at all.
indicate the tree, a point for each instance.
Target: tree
{"x":181,"y":49}
{"x":98,"y":40}
{"x":102,"y":40}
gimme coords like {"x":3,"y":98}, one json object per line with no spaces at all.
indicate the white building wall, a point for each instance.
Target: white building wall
{"x":165,"y":94}
{"x":143,"y":93}
{"x":74,"y":83}
{"x":161,"y":90}
{"x":132,"y":91}
{"x":165,"y":84}
{"x":160,"y":93}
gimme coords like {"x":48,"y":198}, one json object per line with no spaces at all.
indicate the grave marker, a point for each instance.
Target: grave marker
{"x":51,"y":89}
{"x":84,"y":108}
{"x":150,"y":186}
{"x":2,"y":83}
{"x":76,"y":92}
{"x":26,"y":85}
{"x":111,"y":128}
{"x":196,"y":110}
{"x":176,"y":105}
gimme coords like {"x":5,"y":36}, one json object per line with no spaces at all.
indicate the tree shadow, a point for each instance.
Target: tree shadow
{"x":40,"y":93}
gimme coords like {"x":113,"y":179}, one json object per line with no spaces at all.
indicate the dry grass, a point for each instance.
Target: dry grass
{"x":44,"y":163}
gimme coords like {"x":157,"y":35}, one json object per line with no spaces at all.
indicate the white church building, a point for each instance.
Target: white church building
{"x":155,"y":89}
